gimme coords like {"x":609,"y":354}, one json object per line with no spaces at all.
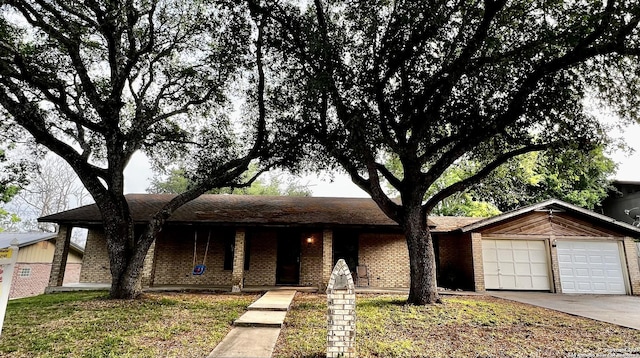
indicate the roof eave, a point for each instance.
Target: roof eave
{"x":546,"y":203}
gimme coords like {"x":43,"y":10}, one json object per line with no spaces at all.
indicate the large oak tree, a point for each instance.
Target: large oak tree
{"x":437,"y":82}
{"x":97,"y":80}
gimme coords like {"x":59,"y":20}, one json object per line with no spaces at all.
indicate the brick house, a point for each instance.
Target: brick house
{"x":33,"y":266}
{"x":267,"y":241}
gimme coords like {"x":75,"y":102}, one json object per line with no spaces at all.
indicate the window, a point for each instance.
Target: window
{"x":24,"y":272}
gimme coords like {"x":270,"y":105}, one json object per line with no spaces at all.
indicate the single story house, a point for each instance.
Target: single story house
{"x":33,"y":266}
{"x":264,"y":241}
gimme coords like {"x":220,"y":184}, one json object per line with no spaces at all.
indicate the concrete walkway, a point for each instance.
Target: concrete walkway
{"x":255,"y":333}
{"x":621,"y":310}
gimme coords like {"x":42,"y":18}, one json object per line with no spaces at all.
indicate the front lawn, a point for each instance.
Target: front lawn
{"x":191,"y":324}
{"x":86,"y":324}
{"x":463,"y":326}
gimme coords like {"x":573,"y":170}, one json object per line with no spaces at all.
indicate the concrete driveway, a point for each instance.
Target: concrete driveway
{"x":621,"y":310}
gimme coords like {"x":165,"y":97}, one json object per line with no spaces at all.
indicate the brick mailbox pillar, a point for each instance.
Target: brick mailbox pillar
{"x":341,"y":313}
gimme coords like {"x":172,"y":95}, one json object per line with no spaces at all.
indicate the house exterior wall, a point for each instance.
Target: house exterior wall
{"x":327,"y":257}
{"x":72,"y":272}
{"x":38,"y":252}
{"x":386,"y":257}
{"x":478,"y":265}
{"x":74,"y":257}
{"x":38,"y":279}
{"x":262,"y":258}
{"x":175,"y":257}
{"x":35,"y":261}
{"x":455,"y":261}
{"x":633,"y":265}
{"x":311,"y":259}
{"x":32,"y":285}
{"x":95,"y":264}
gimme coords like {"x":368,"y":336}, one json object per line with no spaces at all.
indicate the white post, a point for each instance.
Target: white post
{"x":8,"y":259}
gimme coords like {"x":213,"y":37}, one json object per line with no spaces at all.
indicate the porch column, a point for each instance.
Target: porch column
{"x":148,"y":266}
{"x":59,"y":264}
{"x":478,"y":267}
{"x":327,"y":256}
{"x":237,"y":276}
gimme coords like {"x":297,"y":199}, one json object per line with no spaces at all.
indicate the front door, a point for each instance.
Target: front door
{"x":288,"y":266}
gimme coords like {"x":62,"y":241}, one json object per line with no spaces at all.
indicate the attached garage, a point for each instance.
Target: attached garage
{"x":555,"y":246}
{"x":590,"y":267}
{"x":515,"y":265}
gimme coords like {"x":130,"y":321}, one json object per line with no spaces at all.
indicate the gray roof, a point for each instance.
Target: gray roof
{"x":555,"y":204}
{"x":30,"y":238}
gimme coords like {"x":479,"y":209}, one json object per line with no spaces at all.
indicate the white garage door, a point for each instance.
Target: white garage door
{"x":590,"y":267}
{"x":515,"y":265}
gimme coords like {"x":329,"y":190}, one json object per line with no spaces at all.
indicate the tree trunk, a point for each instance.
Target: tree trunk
{"x":127,"y":261}
{"x":422,"y":260}
{"x":127,"y":252}
{"x":119,"y":235}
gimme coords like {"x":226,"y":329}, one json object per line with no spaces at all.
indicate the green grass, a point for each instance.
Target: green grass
{"x":86,"y":324}
{"x":463,"y":326}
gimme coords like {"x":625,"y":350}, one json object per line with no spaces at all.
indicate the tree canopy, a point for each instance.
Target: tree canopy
{"x":578,"y":177}
{"x":13,"y":176}
{"x":436,"y":83}
{"x":275,"y":184}
{"x":96,"y":81}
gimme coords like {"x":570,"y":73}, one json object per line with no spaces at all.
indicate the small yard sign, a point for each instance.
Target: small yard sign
{"x":8,"y":259}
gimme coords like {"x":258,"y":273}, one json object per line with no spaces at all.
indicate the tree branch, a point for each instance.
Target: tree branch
{"x":481,"y":174}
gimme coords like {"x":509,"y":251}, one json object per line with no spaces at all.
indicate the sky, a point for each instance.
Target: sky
{"x":139,"y":171}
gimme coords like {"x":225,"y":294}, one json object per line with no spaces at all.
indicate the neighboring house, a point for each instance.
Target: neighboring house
{"x":623,"y":203}
{"x":33,"y":266}
{"x":265,"y":241}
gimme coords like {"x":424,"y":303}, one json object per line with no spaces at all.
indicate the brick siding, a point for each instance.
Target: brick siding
{"x":174,"y":257}
{"x":262,"y":258}
{"x":95,"y":266}
{"x":32,"y":285}
{"x":633,"y":267}
{"x":38,"y":280}
{"x":478,"y":265}
{"x":327,"y":257}
{"x":311,"y":259}
{"x":72,"y":273}
{"x":386,"y":257}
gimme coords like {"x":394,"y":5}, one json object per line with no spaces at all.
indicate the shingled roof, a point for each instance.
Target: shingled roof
{"x":250,"y":210}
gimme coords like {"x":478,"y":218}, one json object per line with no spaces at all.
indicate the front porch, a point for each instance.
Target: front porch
{"x":247,"y":259}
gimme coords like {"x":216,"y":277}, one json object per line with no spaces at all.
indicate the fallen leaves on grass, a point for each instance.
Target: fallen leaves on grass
{"x":462,"y":326}
{"x":86,"y":324}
